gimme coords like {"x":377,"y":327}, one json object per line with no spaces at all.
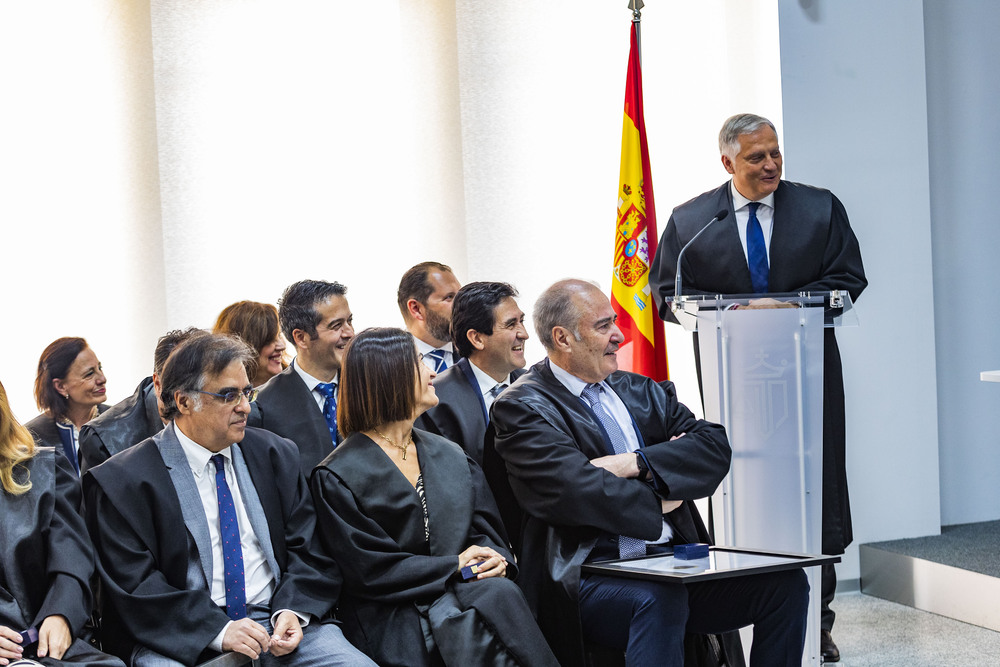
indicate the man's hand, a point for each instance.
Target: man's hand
{"x":10,"y":645}
{"x":668,"y":506}
{"x":246,"y":637}
{"x":619,"y":465}
{"x":54,"y":637}
{"x":767,"y":302}
{"x":287,"y":634}
{"x":490,"y":562}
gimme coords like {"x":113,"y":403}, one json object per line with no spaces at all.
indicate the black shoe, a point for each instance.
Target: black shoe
{"x":827,"y":649}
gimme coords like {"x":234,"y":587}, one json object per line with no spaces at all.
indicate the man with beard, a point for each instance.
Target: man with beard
{"x":425,"y":296}
{"x":300,"y":403}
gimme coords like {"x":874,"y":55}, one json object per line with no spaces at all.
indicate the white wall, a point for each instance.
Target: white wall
{"x":79,"y":191}
{"x":855,"y":103}
{"x":963,"y":94}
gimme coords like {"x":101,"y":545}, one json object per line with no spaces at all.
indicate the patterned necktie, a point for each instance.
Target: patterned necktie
{"x":439,"y":362}
{"x":329,"y":391}
{"x":497,"y":389}
{"x":757,"y":252}
{"x":628,"y":547}
{"x":232,"y":549}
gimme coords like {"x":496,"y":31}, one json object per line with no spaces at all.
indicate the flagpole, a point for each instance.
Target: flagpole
{"x":636,"y":6}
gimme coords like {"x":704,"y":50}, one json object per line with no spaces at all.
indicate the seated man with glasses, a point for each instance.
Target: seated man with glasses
{"x":205,"y":532}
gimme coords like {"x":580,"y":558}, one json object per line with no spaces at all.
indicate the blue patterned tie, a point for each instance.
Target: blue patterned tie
{"x":232,"y":549}
{"x":329,"y":391}
{"x":439,"y":362}
{"x":628,"y":547}
{"x":757,"y":252}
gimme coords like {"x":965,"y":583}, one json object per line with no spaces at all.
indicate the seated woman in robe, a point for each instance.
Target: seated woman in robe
{"x":70,"y":391}
{"x":403,"y":511}
{"x":257,"y":324}
{"x":46,"y":559}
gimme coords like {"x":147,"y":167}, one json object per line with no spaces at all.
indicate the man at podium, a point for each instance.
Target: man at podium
{"x":766,"y":235}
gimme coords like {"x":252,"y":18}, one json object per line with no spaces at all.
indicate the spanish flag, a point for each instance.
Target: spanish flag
{"x":644,"y":350}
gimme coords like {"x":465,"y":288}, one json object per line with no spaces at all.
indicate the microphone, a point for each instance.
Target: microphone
{"x":721,"y":215}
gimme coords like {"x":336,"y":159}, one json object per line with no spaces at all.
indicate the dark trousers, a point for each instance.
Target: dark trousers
{"x":648,"y":619}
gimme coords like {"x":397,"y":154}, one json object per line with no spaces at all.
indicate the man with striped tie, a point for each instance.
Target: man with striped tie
{"x":425,"y":296}
{"x":489,"y":333}
{"x":205,"y":532}
{"x":605,"y":464}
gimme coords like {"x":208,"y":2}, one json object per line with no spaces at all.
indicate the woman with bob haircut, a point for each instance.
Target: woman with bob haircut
{"x":69,"y":391}
{"x":257,"y":324}
{"x":46,"y":559}
{"x":403,"y":512}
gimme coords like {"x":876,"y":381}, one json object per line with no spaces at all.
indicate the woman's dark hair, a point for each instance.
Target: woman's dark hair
{"x":256,"y":323}
{"x":378,"y":380}
{"x":54,"y":364}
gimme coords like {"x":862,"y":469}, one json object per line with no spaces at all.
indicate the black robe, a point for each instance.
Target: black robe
{"x":144,"y":548}
{"x":371,"y":520}
{"x":46,"y":559}
{"x":813,"y":249}
{"x":546,"y":437}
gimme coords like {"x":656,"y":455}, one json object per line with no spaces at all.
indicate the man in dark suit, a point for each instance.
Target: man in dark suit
{"x":556,"y":429}
{"x":488,"y":331}
{"x":300,"y":403}
{"x":778,"y":237}
{"x":136,"y":418}
{"x":205,"y":532}
{"x":425,"y":296}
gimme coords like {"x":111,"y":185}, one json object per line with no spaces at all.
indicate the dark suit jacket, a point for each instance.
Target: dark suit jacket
{"x":47,"y":433}
{"x":546,"y":437}
{"x":127,"y":423}
{"x":145,"y":550}
{"x":813,"y":248}
{"x":372,"y":521}
{"x":47,"y":556}
{"x":286,"y":407}
{"x":460,"y":415}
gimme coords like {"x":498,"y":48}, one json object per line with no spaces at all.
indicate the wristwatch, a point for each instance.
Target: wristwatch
{"x":640,"y":461}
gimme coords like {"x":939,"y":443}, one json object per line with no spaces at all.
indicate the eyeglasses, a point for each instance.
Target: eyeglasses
{"x":234,"y":395}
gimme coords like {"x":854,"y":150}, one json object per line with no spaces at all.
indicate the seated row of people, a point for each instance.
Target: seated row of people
{"x":579,"y":479}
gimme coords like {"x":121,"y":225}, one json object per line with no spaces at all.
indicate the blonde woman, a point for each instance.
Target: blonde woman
{"x":46,"y":560}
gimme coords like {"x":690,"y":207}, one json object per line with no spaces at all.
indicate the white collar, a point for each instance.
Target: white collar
{"x":197,"y":456}
{"x":739,"y":201}
{"x":486,"y":383}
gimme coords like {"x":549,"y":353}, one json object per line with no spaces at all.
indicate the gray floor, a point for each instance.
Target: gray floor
{"x":872,"y":632}
{"x":970,"y":546}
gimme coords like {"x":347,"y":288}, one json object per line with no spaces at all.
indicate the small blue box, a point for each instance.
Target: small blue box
{"x":690,"y":551}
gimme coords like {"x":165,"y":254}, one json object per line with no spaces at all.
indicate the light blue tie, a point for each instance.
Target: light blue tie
{"x":232,"y":549}
{"x":439,"y":362}
{"x":628,"y":547}
{"x":757,"y":252}
{"x":329,"y":391}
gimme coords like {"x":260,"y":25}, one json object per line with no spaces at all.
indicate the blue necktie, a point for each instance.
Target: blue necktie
{"x":757,"y":252}
{"x":439,"y":362}
{"x":329,"y":391}
{"x":628,"y":547}
{"x":232,"y":549}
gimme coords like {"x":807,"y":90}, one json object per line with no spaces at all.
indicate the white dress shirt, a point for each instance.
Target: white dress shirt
{"x":765,"y":216}
{"x":616,"y":408}
{"x":311,"y":383}
{"x":256,"y":572}
{"x":425,"y":349}
{"x":486,"y":384}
